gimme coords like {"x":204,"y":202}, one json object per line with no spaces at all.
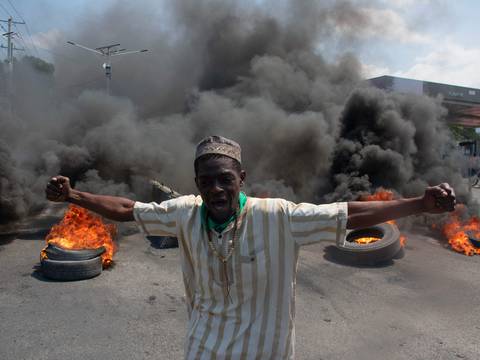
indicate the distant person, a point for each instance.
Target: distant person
{"x":238,"y":253}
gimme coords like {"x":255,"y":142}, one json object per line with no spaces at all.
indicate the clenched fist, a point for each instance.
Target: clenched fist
{"x":58,"y":189}
{"x":439,"y":199}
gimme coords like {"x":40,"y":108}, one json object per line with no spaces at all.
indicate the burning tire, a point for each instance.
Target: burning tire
{"x":385,"y":248}
{"x":71,"y":270}
{"x":57,"y":253}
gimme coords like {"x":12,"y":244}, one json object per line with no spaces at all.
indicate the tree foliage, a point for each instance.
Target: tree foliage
{"x":461,"y":133}
{"x":39,"y":64}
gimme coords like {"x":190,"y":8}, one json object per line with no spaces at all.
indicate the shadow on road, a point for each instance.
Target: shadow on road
{"x":37,"y":234}
{"x":6,"y":239}
{"x":37,"y":274}
{"x":333,"y":254}
{"x":162,"y":242}
{"x":30,"y":234}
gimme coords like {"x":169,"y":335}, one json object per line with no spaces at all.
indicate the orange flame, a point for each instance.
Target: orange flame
{"x":403,"y":240}
{"x":456,"y":232}
{"x":383,"y":195}
{"x":380,"y":195}
{"x":366,"y":240}
{"x":81,"y":229}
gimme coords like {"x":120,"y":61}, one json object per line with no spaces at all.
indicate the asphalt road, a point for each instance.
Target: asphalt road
{"x":423,"y":306}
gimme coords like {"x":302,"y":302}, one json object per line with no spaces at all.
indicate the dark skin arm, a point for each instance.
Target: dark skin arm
{"x":436,"y":200}
{"x":111,"y":207}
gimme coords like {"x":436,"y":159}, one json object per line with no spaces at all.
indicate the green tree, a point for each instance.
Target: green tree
{"x":39,"y":64}
{"x":461,"y":133}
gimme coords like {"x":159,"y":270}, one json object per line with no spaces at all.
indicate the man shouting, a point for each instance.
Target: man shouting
{"x":239,"y":254}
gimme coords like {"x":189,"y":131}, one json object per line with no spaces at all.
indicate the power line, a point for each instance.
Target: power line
{"x":9,"y":34}
{"x":43,"y":49}
{"x":5,"y":30}
{"x":14,"y":9}
{"x":10,"y":49}
{"x":26,"y":26}
{"x":5,"y":9}
{"x":17,"y":31}
{"x":19,"y":36}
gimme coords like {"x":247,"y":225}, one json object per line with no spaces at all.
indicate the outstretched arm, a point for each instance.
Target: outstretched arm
{"x":436,"y":200}
{"x":112,"y":207}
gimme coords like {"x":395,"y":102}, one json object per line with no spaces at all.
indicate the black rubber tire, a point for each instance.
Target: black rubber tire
{"x":57,"y":253}
{"x":379,"y":251}
{"x":71,"y":270}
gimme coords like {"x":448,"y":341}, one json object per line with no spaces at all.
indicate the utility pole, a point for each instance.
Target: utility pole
{"x":108,"y":51}
{"x":10,"y":49}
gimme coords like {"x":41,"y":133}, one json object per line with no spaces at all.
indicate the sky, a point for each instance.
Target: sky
{"x":433,"y":40}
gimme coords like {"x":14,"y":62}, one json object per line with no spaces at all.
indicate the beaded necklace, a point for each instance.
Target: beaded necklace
{"x":224,"y":259}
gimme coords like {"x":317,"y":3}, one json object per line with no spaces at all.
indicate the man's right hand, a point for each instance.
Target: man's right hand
{"x":58,"y":189}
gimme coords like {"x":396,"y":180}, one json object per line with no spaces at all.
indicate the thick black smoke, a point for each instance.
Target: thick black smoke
{"x":396,"y":141}
{"x":310,"y":128}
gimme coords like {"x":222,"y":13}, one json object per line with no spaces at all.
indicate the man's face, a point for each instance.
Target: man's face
{"x":219,"y":183}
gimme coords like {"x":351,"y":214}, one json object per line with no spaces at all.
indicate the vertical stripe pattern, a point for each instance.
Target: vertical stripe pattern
{"x":257,"y":320}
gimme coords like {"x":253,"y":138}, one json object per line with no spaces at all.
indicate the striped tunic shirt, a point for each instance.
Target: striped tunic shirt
{"x":256,"y":321}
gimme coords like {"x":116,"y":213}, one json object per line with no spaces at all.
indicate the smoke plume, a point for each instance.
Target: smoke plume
{"x":310,"y":128}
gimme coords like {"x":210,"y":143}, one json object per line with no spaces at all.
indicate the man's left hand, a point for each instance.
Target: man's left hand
{"x":439,"y":199}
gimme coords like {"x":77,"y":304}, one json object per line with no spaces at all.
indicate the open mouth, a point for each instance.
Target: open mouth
{"x":218,"y":204}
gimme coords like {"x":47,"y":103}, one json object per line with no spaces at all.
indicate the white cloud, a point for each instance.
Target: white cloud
{"x":404,"y":3}
{"x":389,"y":24}
{"x":381,"y":23}
{"x":448,"y":63}
{"x":372,"y":70}
{"x":46,"y":40}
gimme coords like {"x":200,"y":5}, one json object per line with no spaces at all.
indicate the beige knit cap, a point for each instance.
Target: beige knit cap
{"x":216,"y":144}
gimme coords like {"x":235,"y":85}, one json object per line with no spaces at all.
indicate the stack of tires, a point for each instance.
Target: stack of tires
{"x":67,"y":265}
